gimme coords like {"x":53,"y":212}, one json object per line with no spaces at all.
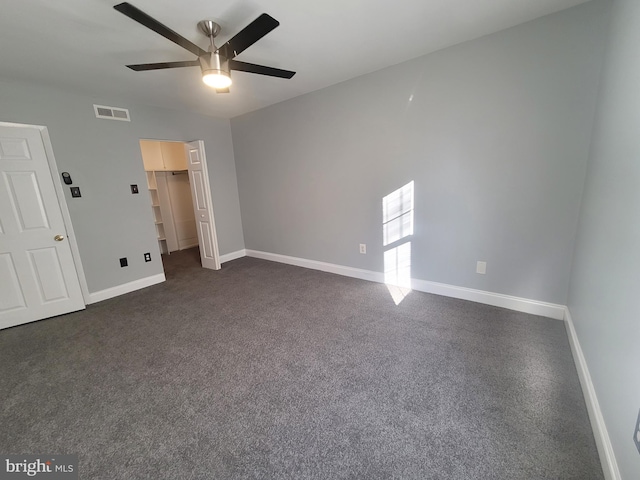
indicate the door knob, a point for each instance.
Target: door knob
{"x":58,"y":238}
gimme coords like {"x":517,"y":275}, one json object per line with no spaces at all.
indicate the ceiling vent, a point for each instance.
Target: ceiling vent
{"x":112,"y":113}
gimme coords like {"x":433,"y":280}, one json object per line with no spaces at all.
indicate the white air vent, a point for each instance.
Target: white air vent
{"x":112,"y":113}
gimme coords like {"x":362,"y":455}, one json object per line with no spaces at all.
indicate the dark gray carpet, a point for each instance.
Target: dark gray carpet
{"x":264,"y":370}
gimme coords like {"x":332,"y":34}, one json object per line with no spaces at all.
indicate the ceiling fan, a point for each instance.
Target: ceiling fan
{"x":216,"y":62}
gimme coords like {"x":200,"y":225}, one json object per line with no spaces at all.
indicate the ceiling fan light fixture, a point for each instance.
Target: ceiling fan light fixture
{"x":216,"y":80}
{"x":215,"y":70}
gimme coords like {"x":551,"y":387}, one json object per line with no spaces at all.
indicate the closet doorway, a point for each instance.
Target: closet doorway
{"x":180,"y":195}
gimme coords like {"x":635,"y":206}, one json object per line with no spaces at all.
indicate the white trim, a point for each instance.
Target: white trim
{"x":322,"y":266}
{"x":534,"y":307}
{"x":62,"y":202}
{"x":227,"y":257}
{"x":525,"y":305}
{"x":125,"y":288}
{"x":600,"y":433}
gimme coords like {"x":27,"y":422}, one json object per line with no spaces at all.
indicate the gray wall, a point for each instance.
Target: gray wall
{"x":103,"y":158}
{"x":605,"y":280}
{"x":494,"y":132}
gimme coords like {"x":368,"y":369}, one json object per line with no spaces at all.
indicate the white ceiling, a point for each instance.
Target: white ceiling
{"x":84,"y":45}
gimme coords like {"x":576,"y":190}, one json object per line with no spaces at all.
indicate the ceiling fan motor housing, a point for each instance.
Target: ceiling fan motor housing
{"x":214,"y":63}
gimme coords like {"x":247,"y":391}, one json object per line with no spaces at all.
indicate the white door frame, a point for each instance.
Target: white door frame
{"x":62,"y":202}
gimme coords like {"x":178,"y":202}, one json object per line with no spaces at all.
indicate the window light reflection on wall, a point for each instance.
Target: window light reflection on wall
{"x":397,"y":224}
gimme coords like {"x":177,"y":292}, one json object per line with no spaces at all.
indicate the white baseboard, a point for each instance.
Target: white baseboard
{"x":600,"y":433}
{"x":227,"y":257}
{"x":316,"y":265}
{"x":519,"y":304}
{"x":125,"y":288}
{"x":489,"y":298}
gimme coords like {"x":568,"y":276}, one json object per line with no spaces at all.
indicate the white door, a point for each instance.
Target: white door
{"x":38,"y":278}
{"x":202,"y":205}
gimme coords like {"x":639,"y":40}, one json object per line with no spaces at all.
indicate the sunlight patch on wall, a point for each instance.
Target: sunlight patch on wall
{"x":397,"y":218}
{"x":397,"y":214}
{"x":397,"y":271}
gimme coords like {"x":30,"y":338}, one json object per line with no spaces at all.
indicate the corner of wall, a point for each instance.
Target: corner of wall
{"x":600,"y":433}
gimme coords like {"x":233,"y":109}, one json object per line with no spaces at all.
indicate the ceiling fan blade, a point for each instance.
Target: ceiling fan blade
{"x":260,"y":69}
{"x":159,"y":66}
{"x":222,"y":90}
{"x":249,"y":35}
{"x":139,"y":16}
